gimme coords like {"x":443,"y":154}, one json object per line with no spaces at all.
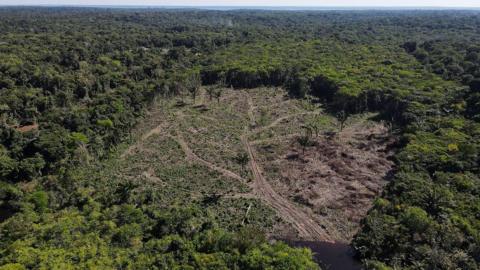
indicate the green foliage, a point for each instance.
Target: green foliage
{"x":12,"y":266}
{"x":416,"y":219}
{"x":79,"y":79}
{"x":79,"y":137}
{"x":454,"y":58}
{"x":7,"y":164}
{"x":32,"y":166}
{"x":10,"y":195}
{"x":375,"y":265}
{"x":351,"y":77}
{"x":242,"y":159}
{"x":123,"y":236}
{"x":107,"y":123}
{"x":305,"y":140}
{"x":39,"y":199}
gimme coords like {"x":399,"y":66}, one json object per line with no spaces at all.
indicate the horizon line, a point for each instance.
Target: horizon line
{"x":243,"y":6}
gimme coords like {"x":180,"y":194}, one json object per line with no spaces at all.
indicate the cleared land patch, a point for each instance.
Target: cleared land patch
{"x":336,"y":178}
{"x":189,"y":152}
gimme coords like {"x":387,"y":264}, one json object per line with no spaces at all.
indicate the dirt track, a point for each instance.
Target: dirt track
{"x":316,"y":177}
{"x":301,"y":221}
{"x":251,"y":110}
{"x":192,"y":156}
{"x":280,"y":120}
{"x":306,"y":227}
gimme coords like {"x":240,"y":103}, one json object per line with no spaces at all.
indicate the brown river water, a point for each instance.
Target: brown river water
{"x":331,"y":256}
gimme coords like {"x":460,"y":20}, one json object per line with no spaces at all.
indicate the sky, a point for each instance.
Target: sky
{"x":297,"y":3}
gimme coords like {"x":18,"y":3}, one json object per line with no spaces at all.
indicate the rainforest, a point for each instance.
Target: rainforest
{"x":150,"y":138}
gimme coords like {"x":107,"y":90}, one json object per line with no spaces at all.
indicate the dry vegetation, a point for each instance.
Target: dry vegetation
{"x":336,"y":178}
{"x":188,"y":151}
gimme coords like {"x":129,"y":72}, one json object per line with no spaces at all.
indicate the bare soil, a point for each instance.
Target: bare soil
{"x":306,"y":227}
{"x":336,"y":178}
{"x":319,"y":194}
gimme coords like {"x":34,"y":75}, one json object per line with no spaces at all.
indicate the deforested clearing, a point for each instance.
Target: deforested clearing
{"x":320,"y":192}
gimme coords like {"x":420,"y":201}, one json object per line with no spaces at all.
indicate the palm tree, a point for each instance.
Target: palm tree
{"x":242,"y":159}
{"x":315,"y":127}
{"x":218,"y":94}
{"x":304,"y":141}
{"x":193,"y":85}
{"x":221,"y":84}
{"x":342,"y":118}
{"x":178,"y":89}
{"x":210,"y":92}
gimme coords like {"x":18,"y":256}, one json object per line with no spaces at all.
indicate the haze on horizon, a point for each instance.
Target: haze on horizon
{"x":273,"y":3}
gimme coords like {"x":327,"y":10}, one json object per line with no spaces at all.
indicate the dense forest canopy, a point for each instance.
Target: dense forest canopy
{"x":75,"y":81}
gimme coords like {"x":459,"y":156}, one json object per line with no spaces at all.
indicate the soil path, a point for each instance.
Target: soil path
{"x":150,"y":175}
{"x":275,"y":139}
{"x":301,"y":221}
{"x":192,"y":156}
{"x":307,"y":228}
{"x":251,"y":110}
{"x":280,"y":120}
{"x":130,"y":150}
